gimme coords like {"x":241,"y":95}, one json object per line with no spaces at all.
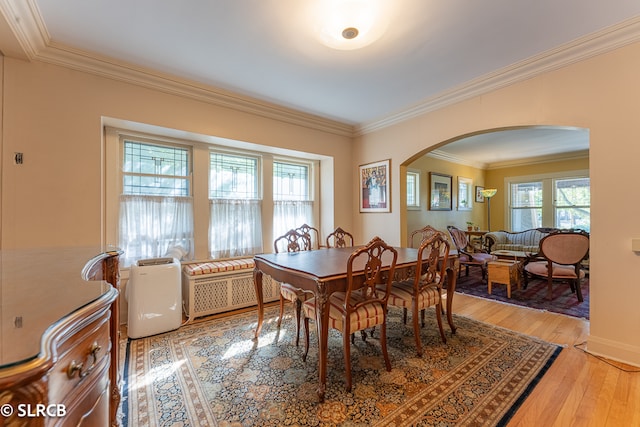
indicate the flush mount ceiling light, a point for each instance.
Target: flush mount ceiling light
{"x":349,"y":24}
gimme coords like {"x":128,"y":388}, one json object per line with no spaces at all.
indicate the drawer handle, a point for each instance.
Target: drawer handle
{"x":79,"y":366}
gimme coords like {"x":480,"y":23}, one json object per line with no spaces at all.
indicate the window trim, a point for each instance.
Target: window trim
{"x":547,"y":179}
{"x":416,"y":195}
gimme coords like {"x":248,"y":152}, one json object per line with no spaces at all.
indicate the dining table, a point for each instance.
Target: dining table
{"x":324,"y":271}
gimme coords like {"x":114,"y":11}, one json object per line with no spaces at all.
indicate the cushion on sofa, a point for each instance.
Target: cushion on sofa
{"x":526,"y":241}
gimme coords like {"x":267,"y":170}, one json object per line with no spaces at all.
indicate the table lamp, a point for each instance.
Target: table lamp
{"x":488,"y":193}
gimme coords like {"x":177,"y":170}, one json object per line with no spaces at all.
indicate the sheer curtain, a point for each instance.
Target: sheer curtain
{"x":235,"y":227}
{"x":152,"y":225}
{"x":288,"y":214}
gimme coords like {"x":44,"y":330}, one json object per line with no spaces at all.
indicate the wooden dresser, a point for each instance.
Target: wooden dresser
{"x":59,"y":337}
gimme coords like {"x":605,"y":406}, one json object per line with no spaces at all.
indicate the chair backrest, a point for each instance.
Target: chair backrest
{"x":312,"y":233}
{"x":565,"y":247}
{"x":293,"y":241}
{"x":425,"y":233}
{"x":431,"y":268}
{"x":370,"y":259}
{"x":458,"y":237}
{"x":339,"y":239}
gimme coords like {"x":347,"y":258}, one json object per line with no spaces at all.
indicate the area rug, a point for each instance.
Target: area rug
{"x":214,"y":374}
{"x":563,"y":301}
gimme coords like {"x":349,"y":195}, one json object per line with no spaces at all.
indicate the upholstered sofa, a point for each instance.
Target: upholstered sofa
{"x":525,"y":241}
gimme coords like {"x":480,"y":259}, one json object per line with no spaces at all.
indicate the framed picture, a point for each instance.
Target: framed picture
{"x":479,"y":196}
{"x":440,"y":194}
{"x":375,"y":187}
{"x":465,"y":194}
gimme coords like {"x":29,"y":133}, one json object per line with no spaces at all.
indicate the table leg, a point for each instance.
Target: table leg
{"x":257,"y":281}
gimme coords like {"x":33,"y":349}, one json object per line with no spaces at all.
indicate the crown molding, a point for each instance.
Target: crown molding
{"x":606,"y":40}
{"x":30,"y":35}
{"x":575,"y":155}
{"x":25,"y":21}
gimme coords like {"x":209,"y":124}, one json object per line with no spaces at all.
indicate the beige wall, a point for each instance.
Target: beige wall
{"x":54,"y":116}
{"x":417,"y":219}
{"x":600,"y":94}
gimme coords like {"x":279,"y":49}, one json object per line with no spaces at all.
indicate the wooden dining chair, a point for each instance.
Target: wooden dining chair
{"x":363,"y":304}
{"x":339,"y":239}
{"x":292,"y":241}
{"x":425,"y":233}
{"x":312,"y":233}
{"x":425,"y":289}
{"x":560,"y":259}
{"x":466,"y":257}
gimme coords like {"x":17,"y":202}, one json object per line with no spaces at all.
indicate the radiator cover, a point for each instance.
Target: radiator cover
{"x":220,"y":292}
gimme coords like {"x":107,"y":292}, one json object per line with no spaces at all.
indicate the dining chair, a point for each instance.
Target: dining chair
{"x":561,"y":254}
{"x":425,"y":289}
{"x":467,"y":258}
{"x":339,"y":239}
{"x":313,"y":233}
{"x":362,"y":304}
{"x":292,"y":241}
{"x":425,"y":233}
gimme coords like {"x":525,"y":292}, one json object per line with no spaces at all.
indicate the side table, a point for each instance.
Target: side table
{"x":505,"y":272}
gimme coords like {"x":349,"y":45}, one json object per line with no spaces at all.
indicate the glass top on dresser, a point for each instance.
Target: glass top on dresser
{"x":38,"y":287}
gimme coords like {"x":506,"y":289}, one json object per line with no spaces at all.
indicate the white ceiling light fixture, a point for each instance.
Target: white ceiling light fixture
{"x":349,"y":24}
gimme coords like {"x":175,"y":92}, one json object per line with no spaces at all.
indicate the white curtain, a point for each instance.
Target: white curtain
{"x":288,"y":214}
{"x":235,"y":228}
{"x":151,"y":226}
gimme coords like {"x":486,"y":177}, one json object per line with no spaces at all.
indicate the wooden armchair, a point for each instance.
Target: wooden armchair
{"x":292,"y":241}
{"x":312,"y":233}
{"x":363,"y":305}
{"x":339,"y":239}
{"x":426,"y":288}
{"x":467,"y":258}
{"x":560,"y":257}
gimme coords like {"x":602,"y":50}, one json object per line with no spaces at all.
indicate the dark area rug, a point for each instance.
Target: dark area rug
{"x":563,"y":300}
{"x":214,"y":373}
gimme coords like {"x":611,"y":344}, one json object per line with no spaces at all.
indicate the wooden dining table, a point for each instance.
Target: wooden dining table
{"x":324,"y":271}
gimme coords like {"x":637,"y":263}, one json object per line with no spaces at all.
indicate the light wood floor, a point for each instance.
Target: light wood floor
{"x":579,"y":389}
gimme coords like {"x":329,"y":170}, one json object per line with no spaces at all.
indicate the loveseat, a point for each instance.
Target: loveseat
{"x":524,"y":241}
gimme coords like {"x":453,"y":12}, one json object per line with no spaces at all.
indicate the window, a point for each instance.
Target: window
{"x":465,"y":194}
{"x":551,"y":200}
{"x":526,"y":205}
{"x":155,"y":205}
{"x":291,"y":196}
{"x":413,"y":189}
{"x":235,"y":220}
{"x":207,"y":198}
{"x":573,"y":203}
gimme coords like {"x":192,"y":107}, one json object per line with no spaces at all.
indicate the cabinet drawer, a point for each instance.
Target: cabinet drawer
{"x":79,"y":355}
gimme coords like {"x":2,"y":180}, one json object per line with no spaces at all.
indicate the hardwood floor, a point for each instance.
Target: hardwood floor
{"x":579,"y":389}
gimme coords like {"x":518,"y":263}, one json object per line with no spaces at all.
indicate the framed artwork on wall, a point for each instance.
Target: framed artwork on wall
{"x":375,"y":186}
{"x":479,"y":196}
{"x":440,"y":192}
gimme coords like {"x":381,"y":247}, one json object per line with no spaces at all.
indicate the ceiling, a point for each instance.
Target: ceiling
{"x":430,"y":52}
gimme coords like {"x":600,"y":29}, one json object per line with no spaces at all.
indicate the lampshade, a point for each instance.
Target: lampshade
{"x":489,"y":192}
{"x":349,"y":24}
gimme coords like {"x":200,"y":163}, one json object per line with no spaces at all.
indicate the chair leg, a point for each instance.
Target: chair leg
{"x":404,"y":315}
{"x":281,"y":310}
{"x":416,"y":329}
{"x":383,"y":342}
{"x":439,"y":318}
{"x":298,"y":305}
{"x":347,"y":360}
{"x":306,"y":338}
{"x":579,"y":291}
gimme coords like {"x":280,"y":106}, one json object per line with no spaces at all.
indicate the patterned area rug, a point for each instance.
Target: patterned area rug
{"x":563,"y":301}
{"x":213,"y":374}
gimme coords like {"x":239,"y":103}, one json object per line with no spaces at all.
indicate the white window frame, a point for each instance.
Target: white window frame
{"x":548,"y":194}
{"x":415,"y":175}
{"x":465,"y":194}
